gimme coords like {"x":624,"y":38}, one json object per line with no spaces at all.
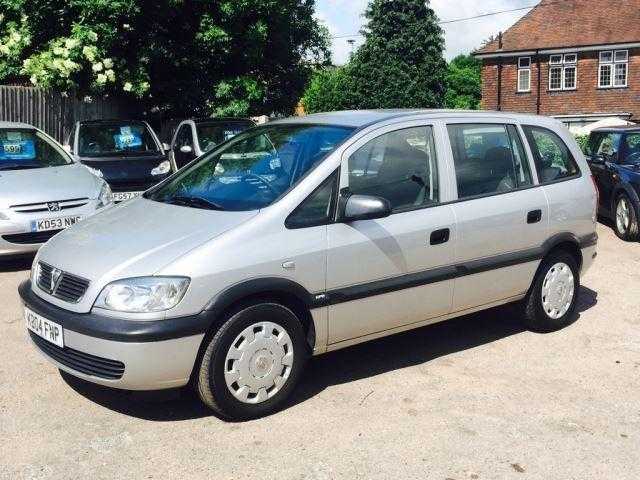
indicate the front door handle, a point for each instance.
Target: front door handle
{"x":534,"y":216}
{"x":438,"y":237}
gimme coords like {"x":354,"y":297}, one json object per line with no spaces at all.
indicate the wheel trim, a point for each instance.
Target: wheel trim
{"x":558,"y":290}
{"x":623,"y":215}
{"x":258,"y":362}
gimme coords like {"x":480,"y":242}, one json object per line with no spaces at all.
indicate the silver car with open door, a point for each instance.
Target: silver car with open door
{"x":311,"y":234}
{"x":42,"y":191}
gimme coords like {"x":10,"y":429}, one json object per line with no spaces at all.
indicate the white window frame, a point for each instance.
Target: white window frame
{"x":568,"y":61}
{"x":524,"y":65}
{"x":613,"y":64}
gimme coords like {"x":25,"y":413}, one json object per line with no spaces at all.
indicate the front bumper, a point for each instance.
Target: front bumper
{"x":143,"y":355}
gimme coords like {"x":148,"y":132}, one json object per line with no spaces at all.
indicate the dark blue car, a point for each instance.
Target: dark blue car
{"x":614,"y":157}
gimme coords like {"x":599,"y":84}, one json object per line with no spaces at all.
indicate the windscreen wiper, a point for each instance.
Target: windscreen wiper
{"x":195,"y":202}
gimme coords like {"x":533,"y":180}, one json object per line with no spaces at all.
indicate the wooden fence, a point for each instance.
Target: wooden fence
{"x":54,"y":112}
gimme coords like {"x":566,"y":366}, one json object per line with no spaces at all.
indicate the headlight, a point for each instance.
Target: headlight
{"x":105,"y":197}
{"x":143,"y":295}
{"x":95,"y":171}
{"x":161,"y":169}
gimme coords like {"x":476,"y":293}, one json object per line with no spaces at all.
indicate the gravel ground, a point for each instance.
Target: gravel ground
{"x":472,"y":398}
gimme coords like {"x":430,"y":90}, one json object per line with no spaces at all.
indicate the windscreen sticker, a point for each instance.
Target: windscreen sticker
{"x":124,"y":141}
{"x":17,"y":149}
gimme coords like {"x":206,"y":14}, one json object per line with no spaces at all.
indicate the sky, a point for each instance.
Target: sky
{"x":344,"y":17}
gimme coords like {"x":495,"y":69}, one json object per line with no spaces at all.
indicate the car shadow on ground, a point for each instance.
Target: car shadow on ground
{"x":415,"y":347}
{"x":16,"y":264}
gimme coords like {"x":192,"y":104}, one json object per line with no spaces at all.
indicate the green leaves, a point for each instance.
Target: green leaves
{"x":464,"y":83}
{"x":178,"y":57}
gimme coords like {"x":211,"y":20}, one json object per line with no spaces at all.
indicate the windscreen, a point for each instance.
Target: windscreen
{"x":252,"y":170}
{"x":212,"y":134}
{"x":22,"y":149}
{"x":116,"y":139}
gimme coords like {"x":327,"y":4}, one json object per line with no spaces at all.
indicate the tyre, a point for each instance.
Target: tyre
{"x":626,"y":219}
{"x":551,"y":302}
{"x":253,"y":362}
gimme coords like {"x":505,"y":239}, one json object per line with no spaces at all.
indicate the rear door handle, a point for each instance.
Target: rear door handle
{"x":438,"y":237}
{"x":534,"y":216}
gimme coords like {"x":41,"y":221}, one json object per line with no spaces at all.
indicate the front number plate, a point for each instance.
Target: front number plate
{"x":50,"y":331}
{"x":122,"y":196}
{"x":47,"y":224}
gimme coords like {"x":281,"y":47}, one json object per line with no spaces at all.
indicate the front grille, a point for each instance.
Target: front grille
{"x":44,"y":206}
{"x":80,"y":361}
{"x":70,"y":288}
{"x":31,"y":238}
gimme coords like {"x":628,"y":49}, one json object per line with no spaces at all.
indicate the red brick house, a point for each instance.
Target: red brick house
{"x":577,"y":60}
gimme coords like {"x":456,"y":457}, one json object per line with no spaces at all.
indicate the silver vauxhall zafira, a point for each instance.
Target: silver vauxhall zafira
{"x":42,"y":191}
{"x":311,"y":234}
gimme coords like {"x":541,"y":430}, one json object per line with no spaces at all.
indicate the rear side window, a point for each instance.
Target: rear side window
{"x":399,"y":166}
{"x":552,"y":157}
{"x":488,"y":158}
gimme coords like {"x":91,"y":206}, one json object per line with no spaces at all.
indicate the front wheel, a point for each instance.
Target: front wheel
{"x":551,"y":302}
{"x":626,"y":220}
{"x":253,"y":362}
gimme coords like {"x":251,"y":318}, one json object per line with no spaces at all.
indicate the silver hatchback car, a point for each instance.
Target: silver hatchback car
{"x":41,"y":190}
{"x":311,"y":234}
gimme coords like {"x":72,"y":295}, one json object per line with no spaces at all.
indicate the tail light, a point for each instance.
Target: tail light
{"x":595,"y":209}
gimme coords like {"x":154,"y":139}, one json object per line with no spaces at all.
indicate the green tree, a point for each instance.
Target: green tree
{"x":179,"y":57}
{"x":464,"y":83}
{"x":400,"y":65}
{"x":328,"y":90}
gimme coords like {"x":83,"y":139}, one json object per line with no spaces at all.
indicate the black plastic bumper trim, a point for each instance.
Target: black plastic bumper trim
{"x":115,"y":329}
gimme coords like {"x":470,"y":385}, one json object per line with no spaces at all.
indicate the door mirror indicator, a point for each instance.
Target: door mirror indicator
{"x":366,"y":207}
{"x":186,"y":149}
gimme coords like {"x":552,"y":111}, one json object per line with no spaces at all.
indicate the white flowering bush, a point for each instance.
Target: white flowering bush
{"x":14,"y":38}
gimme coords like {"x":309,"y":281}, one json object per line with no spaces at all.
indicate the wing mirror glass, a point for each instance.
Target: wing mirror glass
{"x":186,"y":149}
{"x":366,"y":207}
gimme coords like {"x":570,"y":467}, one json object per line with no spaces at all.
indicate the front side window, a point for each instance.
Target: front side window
{"x":116,"y":139}
{"x":488,"y":158}
{"x":631,"y":149}
{"x":252,"y":170}
{"x":563,"y":71}
{"x":613,"y":70}
{"x":604,"y":145}
{"x":552,"y":157}
{"x":399,"y":166}
{"x":23,"y":149}
{"x":524,"y":74}
{"x":212,"y":134}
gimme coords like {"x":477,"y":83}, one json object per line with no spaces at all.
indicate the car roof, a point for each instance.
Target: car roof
{"x":622,"y":128}
{"x":105,"y":121}
{"x":363,"y":118}
{"x":5,"y":125}
{"x":221,"y":120}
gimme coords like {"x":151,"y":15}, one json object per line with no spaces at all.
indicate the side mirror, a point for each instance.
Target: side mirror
{"x":166,"y":147}
{"x":596,"y":159}
{"x":366,"y":207}
{"x":186,"y":149}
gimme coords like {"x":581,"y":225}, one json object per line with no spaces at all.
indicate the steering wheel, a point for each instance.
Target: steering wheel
{"x":262,"y":181}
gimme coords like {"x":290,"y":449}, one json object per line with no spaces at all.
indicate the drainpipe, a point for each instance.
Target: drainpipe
{"x":539,"y":79}
{"x":499,"y":73}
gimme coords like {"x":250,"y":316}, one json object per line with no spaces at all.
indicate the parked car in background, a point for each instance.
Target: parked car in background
{"x":42,"y":191}
{"x":311,"y":234}
{"x":614,"y":158}
{"x":195,"y":137}
{"x":126,"y":153}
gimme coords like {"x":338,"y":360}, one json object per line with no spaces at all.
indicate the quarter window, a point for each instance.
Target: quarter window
{"x":488,"y":159}
{"x":317,"y":208}
{"x":613,"y":71}
{"x":399,"y":166}
{"x":563,"y":72}
{"x":524,"y":74}
{"x":552,"y":157}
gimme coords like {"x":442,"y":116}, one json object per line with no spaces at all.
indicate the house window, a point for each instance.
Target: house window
{"x":563,"y":72}
{"x":524,"y":74}
{"x":613,"y":71}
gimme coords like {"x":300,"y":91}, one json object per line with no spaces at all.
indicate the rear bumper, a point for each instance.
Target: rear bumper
{"x":117,"y":353}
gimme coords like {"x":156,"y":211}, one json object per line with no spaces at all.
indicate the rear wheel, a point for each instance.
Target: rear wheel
{"x":253,"y":362}
{"x":626,"y":219}
{"x":551,"y":302}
